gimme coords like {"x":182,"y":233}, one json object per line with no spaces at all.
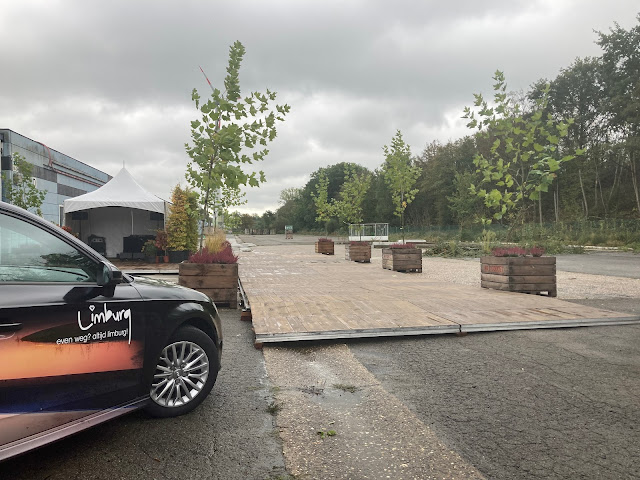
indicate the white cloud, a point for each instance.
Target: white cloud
{"x":107,"y":82}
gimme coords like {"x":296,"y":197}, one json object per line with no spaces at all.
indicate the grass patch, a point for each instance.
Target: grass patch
{"x":273,"y":408}
{"x":345,"y":387}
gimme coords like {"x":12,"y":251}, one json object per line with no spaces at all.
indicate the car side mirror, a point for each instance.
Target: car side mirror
{"x":108,"y":275}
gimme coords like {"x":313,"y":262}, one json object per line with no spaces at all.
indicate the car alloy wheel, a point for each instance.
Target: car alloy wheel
{"x":185,"y":372}
{"x":181,"y":373}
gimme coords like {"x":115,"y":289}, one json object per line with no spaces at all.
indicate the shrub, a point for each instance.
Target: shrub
{"x":161,"y":241}
{"x":358,"y":243}
{"x":216,"y":242}
{"x":402,"y":245}
{"x":324,"y":239}
{"x":509,"y":252}
{"x":223,"y":256}
{"x":149,"y":248}
{"x":518,"y":252}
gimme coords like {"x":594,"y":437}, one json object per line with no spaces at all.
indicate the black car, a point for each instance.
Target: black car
{"x":81,"y":342}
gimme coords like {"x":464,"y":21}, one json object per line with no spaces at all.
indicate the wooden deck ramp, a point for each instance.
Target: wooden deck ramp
{"x":295,"y":294}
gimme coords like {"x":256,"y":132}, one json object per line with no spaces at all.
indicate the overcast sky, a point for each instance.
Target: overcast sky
{"x":111,"y":81}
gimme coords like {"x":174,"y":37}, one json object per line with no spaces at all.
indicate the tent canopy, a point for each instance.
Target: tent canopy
{"x":121,"y":191}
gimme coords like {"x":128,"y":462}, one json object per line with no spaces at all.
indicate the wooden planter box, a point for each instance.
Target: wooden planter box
{"x":218,"y":281}
{"x":520,"y":274}
{"x":358,"y":253}
{"x":402,"y":259}
{"x":326,"y":248}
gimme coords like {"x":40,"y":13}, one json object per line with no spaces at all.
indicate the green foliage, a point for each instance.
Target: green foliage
{"x":231,"y":135}
{"x":182,"y":224}
{"x":523,"y":158}
{"x":348,"y":207}
{"x":399,"y":173}
{"x":149,"y":248}
{"x":20,"y":190}
{"x":325,"y":210}
{"x":232,"y":220}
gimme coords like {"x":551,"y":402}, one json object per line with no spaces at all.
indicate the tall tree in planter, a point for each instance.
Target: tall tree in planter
{"x":228,"y":126}
{"x":325,"y":209}
{"x":524,"y":155}
{"x":20,"y":189}
{"x":400,"y":175}
{"x":348,"y":207}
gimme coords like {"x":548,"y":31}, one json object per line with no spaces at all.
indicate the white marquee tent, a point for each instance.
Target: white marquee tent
{"x":119,"y":208}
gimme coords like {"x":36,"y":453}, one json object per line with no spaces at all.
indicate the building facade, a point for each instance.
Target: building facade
{"x":57,"y":174}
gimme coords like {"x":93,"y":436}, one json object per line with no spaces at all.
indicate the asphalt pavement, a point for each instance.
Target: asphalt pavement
{"x":229,"y":436}
{"x":559,"y":404}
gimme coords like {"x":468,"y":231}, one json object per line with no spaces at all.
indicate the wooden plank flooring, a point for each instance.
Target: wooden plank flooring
{"x":297,"y":294}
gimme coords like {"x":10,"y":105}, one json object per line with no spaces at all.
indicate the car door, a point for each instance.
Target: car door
{"x":69,"y":347}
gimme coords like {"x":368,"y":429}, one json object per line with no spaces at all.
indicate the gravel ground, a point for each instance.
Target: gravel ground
{"x":571,"y":285}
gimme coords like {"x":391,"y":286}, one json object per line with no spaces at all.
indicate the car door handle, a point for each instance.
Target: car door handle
{"x":9,"y":327}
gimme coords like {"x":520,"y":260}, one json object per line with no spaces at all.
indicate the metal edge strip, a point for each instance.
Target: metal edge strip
{"x":578,"y":322}
{"x":351,"y":334}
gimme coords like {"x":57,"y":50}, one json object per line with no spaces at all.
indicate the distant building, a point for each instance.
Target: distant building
{"x":58,"y":174}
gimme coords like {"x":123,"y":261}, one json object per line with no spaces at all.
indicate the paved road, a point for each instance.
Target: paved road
{"x":615,"y":264}
{"x":230,"y":436}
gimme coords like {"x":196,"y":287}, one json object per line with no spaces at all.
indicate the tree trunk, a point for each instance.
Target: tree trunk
{"x":540,"y":207}
{"x":634,"y":178}
{"x":585,"y":206}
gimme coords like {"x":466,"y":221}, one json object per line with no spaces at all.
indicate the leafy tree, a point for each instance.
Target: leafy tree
{"x":348,"y":207}
{"x":181,"y":234}
{"x":20,"y":189}
{"x":246,"y":221}
{"x":290,"y":194}
{"x":400,"y":175}
{"x":232,"y":220}
{"x":523,"y":157}
{"x":621,"y":83}
{"x":325,"y":210}
{"x":193,"y":214}
{"x":462,"y":202}
{"x":228,"y":125}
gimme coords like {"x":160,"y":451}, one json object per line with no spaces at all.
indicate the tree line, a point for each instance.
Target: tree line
{"x":566,"y":150}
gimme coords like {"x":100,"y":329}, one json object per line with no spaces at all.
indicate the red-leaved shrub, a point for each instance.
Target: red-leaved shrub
{"x":323,"y":239}
{"x":517,"y":252}
{"x":223,"y":256}
{"x":355,"y":243}
{"x":537,"y":251}
{"x":402,"y":245}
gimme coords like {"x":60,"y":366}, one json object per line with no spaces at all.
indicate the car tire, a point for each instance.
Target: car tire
{"x":184,"y":374}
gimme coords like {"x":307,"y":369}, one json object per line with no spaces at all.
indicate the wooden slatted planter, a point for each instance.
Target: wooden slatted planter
{"x":402,"y":259}
{"x":325,"y":247}
{"x":358,"y":253}
{"x":218,"y":281}
{"x":520,"y":274}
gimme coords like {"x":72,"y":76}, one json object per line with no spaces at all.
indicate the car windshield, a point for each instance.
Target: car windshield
{"x":30,"y":254}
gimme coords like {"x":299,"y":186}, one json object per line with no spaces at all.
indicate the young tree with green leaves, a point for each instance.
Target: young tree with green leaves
{"x":231,"y":134}
{"x":348,"y":206}
{"x":20,"y":190}
{"x":400,"y":175}
{"x":524,"y":155}
{"x":325,"y":209}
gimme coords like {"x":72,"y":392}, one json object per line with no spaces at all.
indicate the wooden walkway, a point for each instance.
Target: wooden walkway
{"x":296,"y":294}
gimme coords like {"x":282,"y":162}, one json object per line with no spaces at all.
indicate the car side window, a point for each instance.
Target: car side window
{"x":30,"y":254}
